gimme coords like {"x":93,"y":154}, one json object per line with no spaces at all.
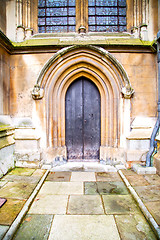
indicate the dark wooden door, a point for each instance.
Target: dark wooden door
{"x":83,"y":120}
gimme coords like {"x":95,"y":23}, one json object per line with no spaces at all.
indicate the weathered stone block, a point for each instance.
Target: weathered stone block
{"x":144,"y":170}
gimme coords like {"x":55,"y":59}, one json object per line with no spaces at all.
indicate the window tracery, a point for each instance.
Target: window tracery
{"x":102,"y":15}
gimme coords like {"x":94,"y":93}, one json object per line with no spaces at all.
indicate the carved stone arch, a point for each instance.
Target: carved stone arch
{"x":66,"y":66}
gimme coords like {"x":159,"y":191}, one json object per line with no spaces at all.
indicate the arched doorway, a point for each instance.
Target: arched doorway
{"x":83,"y":121}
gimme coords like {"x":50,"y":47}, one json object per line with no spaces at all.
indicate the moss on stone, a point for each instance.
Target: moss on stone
{"x":22,"y":171}
{"x":81,"y":41}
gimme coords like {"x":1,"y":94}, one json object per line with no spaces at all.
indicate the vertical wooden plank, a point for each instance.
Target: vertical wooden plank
{"x":74,"y":141}
{"x":92,"y":120}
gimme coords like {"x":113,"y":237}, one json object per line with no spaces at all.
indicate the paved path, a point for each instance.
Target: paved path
{"x":78,"y":205}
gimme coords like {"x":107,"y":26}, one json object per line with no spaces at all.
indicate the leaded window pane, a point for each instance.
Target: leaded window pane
{"x":107,"y":15}
{"x":56,"y":15}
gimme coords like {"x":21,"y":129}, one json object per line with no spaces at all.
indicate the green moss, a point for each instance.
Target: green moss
{"x":81,"y":41}
{"x":22,"y":171}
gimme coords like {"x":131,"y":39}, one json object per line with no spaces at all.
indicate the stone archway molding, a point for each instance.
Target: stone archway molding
{"x":126,"y":88}
{"x":112,"y":81}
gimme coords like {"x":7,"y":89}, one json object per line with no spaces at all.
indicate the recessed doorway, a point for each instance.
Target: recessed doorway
{"x":83,"y":121}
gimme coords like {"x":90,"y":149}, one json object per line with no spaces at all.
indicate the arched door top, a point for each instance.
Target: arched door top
{"x":93,"y":56}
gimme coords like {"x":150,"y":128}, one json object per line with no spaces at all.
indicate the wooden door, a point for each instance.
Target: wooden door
{"x":82,"y":123}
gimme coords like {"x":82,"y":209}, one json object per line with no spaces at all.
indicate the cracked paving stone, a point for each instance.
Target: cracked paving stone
{"x":105,"y":188}
{"x":148,"y":193}
{"x":34,"y":227}
{"x":105,"y":177}
{"x":119,"y":204}
{"x":9,"y":211}
{"x":85,"y":205}
{"x":17,"y":190}
{"x":59,"y":176}
{"x":134,"y":227}
{"x":86,"y":227}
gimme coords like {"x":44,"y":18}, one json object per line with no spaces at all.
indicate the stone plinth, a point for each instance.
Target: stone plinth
{"x":6,"y":148}
{"x":27,"y":150}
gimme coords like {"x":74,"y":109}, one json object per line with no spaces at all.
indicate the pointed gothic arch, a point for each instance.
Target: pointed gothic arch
{"x":66,"y":66}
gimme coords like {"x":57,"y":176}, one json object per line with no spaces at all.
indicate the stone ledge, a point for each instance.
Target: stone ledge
{"x":143,"y":170}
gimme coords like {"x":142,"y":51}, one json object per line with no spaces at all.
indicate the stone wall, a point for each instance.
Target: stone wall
{"x":3,"y":16}
{"x":4,"y":81}
{"x":6,"y":145}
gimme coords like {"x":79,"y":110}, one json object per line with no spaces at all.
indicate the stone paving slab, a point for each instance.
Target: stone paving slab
{"x":34,"y":227}
{"x":82,"y":176}
{"x":22,"y":171}
{"x":148,"y":193}
{"x":9,"y":211}
{"x":109,"y":177}
{"x":66,"y":188}
{"x":59,"y":176}
{"x":137,"y":180}
{"x":21,"y":179}
{"x":49,"y":204}
{"x":17,"y":190}
{"x":88,"y":227}
{"x":85,"y":205}
{"x":154,"y":209}
{"x":134,"y":227}
{"x":3,"y":230}
{"x":153,"y":179}
{"x":119,"y":204}
{"x":38,"y":173}
{"x":128,"y":172}
{"x":103,"y":188}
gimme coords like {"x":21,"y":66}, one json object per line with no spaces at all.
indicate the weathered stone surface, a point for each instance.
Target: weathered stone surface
{"x":21,"y":179}
{"x":148,"y":193}
{"x":3,"y":230}
{"x":119,"y":204}
{"x":137,"y":180}
{"x":144,"y":170}
{"x":22,"y":171}
{"x":134,"y":227}
{"x":84,"y":227}
{"x":38,"y":173}
{"x":9,"y":211}
{"x":85,"y":205}
{"x":110,"y":177}
{"x":33,"y":227}
{"x":49,"y":204}
{"x":154,"y":209}
{"x":129,"y":172}
{"x":153,"y":179}
{"x":59,"y":176}
{"x":83,"y":176}
{"x":103,"y":188}
{"x":66,"y":188}
{"x":17,"y":190}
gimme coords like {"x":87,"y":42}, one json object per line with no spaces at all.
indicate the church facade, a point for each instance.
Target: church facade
{"x":78,"y":81}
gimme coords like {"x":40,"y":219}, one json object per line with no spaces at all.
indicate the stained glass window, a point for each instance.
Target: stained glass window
{"x":56,"y":16}
{"x":107,"y":15}
{"x":60,"y":16}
